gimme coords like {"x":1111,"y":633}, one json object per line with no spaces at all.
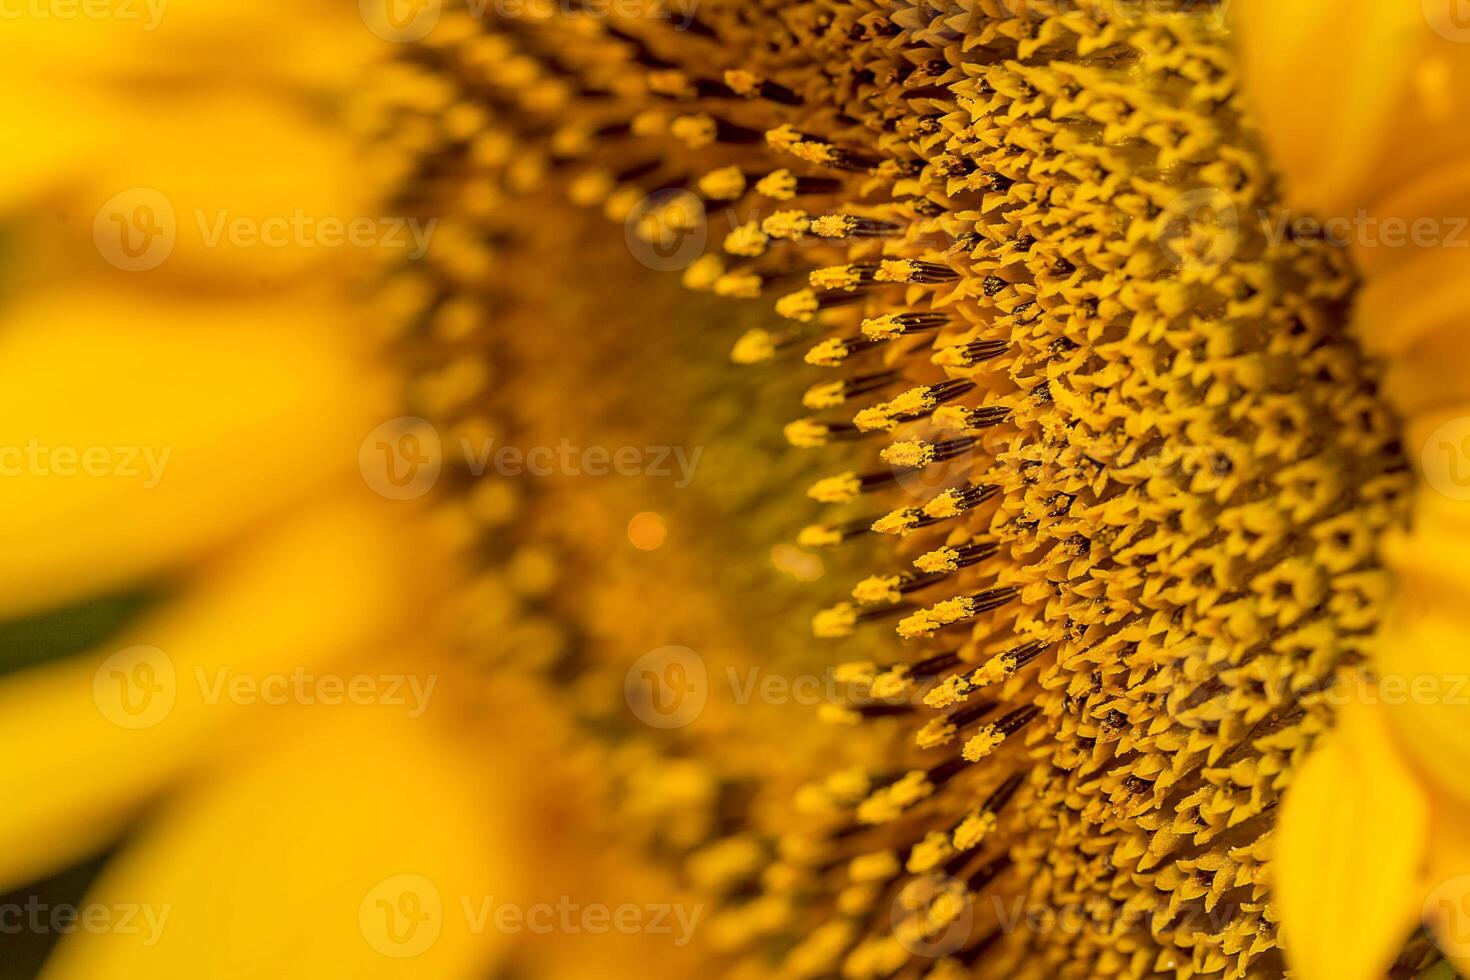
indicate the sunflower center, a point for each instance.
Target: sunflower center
{"x":1088,"y":421}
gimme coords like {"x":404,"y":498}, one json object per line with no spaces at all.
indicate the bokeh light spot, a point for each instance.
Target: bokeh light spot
{"x":647,"y":531}
{"x":800,"y":565}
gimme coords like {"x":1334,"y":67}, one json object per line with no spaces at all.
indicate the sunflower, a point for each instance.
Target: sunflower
{"x":1102,"y":388}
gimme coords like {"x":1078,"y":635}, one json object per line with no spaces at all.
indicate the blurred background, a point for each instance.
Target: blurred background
{"x":329,"y":606}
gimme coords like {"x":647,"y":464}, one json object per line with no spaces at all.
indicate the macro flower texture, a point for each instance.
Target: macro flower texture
{"x":745,"y":488}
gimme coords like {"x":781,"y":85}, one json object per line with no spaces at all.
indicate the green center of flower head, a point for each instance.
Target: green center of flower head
{"x":1088,"y":417}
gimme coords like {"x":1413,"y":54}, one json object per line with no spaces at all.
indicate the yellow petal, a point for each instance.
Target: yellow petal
{"x":36,"y":153}
{"x":90,"y":739}
{"x":1437,"y":444}
{"x":358,"y":843}
{"x":1426,"y":147}
{"x":226,"y":187}
{"x":87,"y":92}
{"x":159,"y":40}
{"x":1425,"y":214}
{"x":1422,"y":646}
{"x":1324,"y":78}
{"x":1447,"y":902}
{"x":1347,"y":854}
{"x":1402,"y":306}
{"x":1435,"y":372}
{"x":134,"y":435}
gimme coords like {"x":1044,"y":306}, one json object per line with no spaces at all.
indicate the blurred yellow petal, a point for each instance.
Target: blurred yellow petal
{"x":1422,"y":646}
{"x":1424,"y":155}
{"x":1422,"y":222}
{"x":70,"y":83}
{"x":198,"y":190}
{"x":1323,"y":78}
{"x":1447,"y":889}
{"x":356,"y":844}
{"x":1437,"y":444}
{"x":1348,"y":852}
{"x":136,"y":435}
{"x":326,"y":43}
{"x":1425,"y":644}
{"x":1402,"y":306}
{"x":1431,"y":377}
{"x":90,"y":739}
{"x":30,"y":165}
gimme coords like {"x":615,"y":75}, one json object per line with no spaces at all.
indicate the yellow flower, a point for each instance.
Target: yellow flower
{"x":1111,"y":449}
{"x":1110,"y":414}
